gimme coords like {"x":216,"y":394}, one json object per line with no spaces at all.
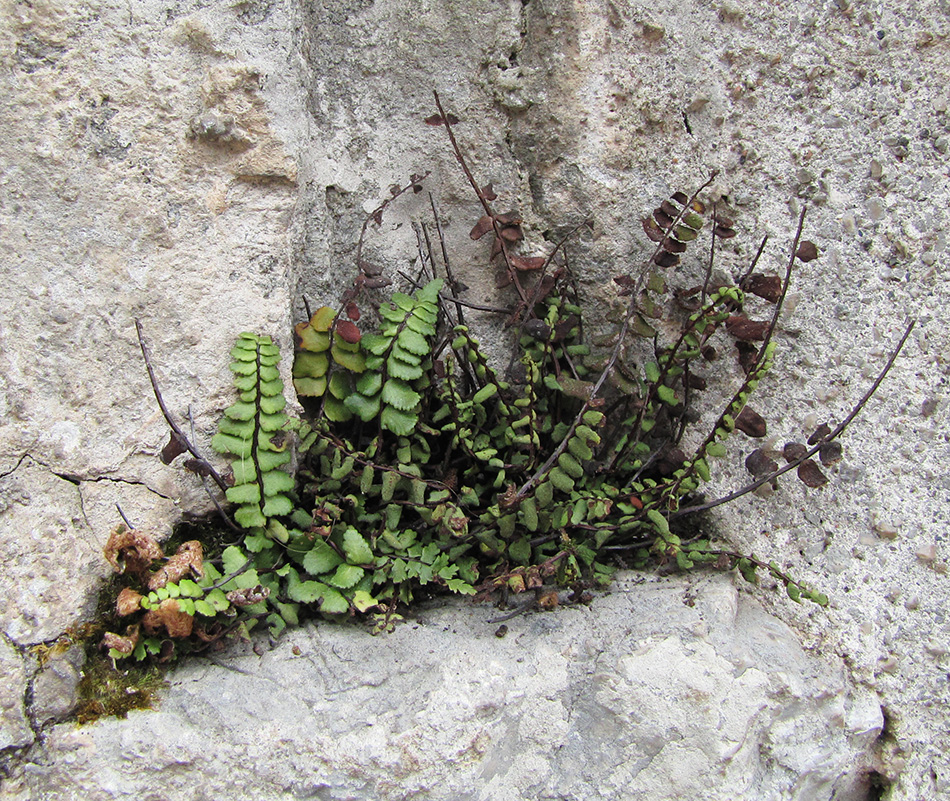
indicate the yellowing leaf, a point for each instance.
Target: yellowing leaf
{"x":354,"y":362}
{"x":363,"y":601}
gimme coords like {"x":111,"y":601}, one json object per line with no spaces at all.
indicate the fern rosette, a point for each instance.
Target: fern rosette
{"x":420,"y":468}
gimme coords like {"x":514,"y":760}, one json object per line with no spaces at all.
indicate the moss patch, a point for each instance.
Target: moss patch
{"x":108,"y":692}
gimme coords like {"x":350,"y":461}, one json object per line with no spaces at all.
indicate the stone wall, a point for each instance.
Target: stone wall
{"x":202,"y":166}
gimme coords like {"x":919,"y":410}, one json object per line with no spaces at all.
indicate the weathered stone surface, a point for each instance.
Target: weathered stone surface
{"x":201,"y":166}
{"x":55,"y":685}
{"x":45,"y":544}
{"x":663,"y":689}
{"x":14,"y":725}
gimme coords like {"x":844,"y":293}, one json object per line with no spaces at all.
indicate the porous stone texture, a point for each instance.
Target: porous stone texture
{"x":202,"y":166}
{"x":663,"y":689}
{"x":15,"y":727}
{"x":55,"y":685}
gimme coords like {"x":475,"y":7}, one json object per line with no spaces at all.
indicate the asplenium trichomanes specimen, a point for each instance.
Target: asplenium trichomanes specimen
{"x":424,"y":464}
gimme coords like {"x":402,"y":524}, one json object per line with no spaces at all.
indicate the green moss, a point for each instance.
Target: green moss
{"x":106,"y":691}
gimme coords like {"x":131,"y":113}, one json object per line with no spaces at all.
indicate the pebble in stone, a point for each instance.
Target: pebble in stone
{"x":890,"y":664}
{"x":927,"y":553}
{"x":886,"y":529}
{"x":652,"y":32}
{"x":937,"y":645}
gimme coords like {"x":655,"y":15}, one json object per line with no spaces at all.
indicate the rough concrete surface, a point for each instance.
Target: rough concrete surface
{"x":201,"y":166}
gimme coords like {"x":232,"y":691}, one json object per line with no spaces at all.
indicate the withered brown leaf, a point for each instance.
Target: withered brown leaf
{"x":664,"y":218}
{"x":438,"y":119}
{"x":748,"y":354}
{"x":124,"y":645}
{"x":173,"y":448}
{"x":750,"y":422}
{"x":665,"y":259}
{"x":482,"y":227}
{"x":741,"y":327}
{"x":528,"y":263}
{"x":509,"y":498}
{"x":830,"y":453}
{"x":186,"y":561}
{"x":348,"y":332}
{"x":199,"y":467}
{"x":248,"y":595}
{"x":537,"y":328}
{"x":377,"y":283}
{"x":811,"y":475}
{"x":652,"y":230}
{"x":820,"y":433}
{"x":724,"y":231}
{"x":132,"y":551}
{"x":669,"y":461}
{"x":696,"y":381}
{"x":794,"y":451}
{"x":760,"y":464}
{"x":169,"y":617}
{"x":807,"y":251}
{"x":128,"y":602}
{"x":768,"y":287}
{"x":533,"y":578}
{"x":512,"y":233}
{"x":509,"y":218}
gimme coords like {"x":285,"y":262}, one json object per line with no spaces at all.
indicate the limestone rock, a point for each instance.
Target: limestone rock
{"x":15,"y":727}
{"x":42,"y":565}
{"x":55,"y":685}
{"x":663,"y":689}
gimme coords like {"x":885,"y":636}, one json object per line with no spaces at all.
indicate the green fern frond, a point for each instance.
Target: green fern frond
{"x":391,"y":382}
{"x":248,"y":430}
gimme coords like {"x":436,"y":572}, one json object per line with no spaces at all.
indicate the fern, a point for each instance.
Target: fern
{"x":329,"y":358}
{"x":250,"y":432}
{"x":398,"y":361}
{"x":421,"y":467}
